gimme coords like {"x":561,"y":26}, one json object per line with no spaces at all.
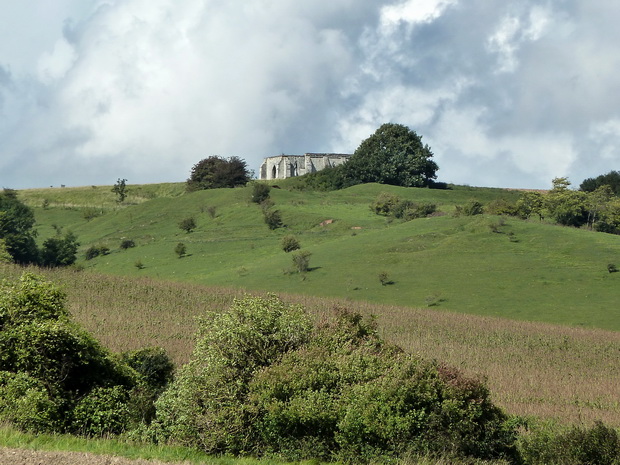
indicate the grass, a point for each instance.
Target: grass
{"x":523,"y":270}
{"x":566,"y":374}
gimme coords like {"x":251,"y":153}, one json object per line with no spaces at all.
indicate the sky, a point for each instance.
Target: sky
{"x":506,"y":93}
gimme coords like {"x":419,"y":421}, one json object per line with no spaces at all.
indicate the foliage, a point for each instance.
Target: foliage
{"x":502,"y":206}
{"x":180,"y":249}
{"x":53,"y":362}
{"x":262,"y":381}
{"x":60,"y":251}
{"x":612,"y":268}
{"x":530,"y":203}
{"x":5,"y":256}
{"x":471,"y":208}
{"x":301,"y":261}
{"x":103,"y":411}
{"x":120,"y":189}
{"x":127,"y":244}
{"x":260,"y":192}
{"x":187,"y":224}
{"x":96,"y":250}
{"x":16,"y":228}
{"x":385,"y":203}
{"x":273,"y":218}
{"x":384,"y":278}
{"x":216,"y":172}
{"x":565,"y":206}
{"x":394,"y":155}
{"x":611,"y":179}
{"x":153,"y":364}
{"x":26,"y":403}
{"x":597,"y":445}
{"x":206,"y":404}
{"x":388,"y":204}
{"x":290,"y":243}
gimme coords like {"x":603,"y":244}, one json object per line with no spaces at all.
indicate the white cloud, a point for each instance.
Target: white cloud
{"x":413,"y":11}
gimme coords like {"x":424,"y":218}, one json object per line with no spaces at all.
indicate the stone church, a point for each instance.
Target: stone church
{"x":288,"y":166}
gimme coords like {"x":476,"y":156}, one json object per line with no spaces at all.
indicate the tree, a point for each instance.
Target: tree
{"x":611,"y":179}
{"x":120,"y":189}
{"x":215,"y":172}
{"x":566,"y":206}
{"x":187,"y":224}
{"x":60,"y":251}
{"x":16,"y":228}
{"x":394,"y":155}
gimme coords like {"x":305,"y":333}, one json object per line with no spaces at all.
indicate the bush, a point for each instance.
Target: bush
{"x":26,"y":404}
{"x":52,"y":361}
{"x":301,"y":261}
{"x":385,"y":203}
{"x":290,"y":243}
{"x":272,"y":218}
{"x":262,"y":380}
{"x":215,"y":172}
{"x":408,"y":210}
{"x":187,"y":224}
{"x":502,"y":207}
{"x":60,"y":251}
{"x":180,"y":249}
{"x":260,"y":192}
{"x":95,"y":251}
{"x":597,"y":445}
{"x":127,"y":244}
{"x":612,"y":268}
{"x":103,"y":411}
{"x":153,"y":364}
{"x":471,"y":208}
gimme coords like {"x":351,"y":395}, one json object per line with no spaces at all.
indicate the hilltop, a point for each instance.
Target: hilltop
{"x":483,"y":264}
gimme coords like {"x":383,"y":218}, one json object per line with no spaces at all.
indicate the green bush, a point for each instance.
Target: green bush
{"x":409,"y":210}
{"x":597,"y":445}
{"x":290,"y":243}
{"x":26,"y":404}
{"x":301,"y":261}
{"x":180,"y":249}
{"x":50,"y":360}
{"x":95,"y":251}
{"x":260,"y":192}
{"x":206,"y":405}
{"x":187,"y":224}
{"x":470,"y":208}
{"x":127,"y":244}
{"x":153,"y":364}
{"x":262,"y":381}
{"x":103,"y":411}
{"x":272,"y":218}
{"x":385,"y":203}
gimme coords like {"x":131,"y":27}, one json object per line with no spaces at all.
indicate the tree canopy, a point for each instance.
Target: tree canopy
{"x":611,"y":179}
{"x":215,"y":172}
{"x":394,"y":155}
{"x":16,"y":228}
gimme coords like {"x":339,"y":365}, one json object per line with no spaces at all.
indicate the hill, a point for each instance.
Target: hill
{"x":484,"y":264}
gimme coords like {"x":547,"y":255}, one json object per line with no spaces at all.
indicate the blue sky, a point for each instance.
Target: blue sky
{"x":507,"y":94}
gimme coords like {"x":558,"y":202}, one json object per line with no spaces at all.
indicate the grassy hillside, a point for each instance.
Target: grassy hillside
{"x":523,"y":270}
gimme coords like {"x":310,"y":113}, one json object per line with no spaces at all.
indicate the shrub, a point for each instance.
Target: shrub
{"x":262,"y":380}
{"x":103,"y":411}
{"x":290,"y":243}
{"x":272,"y":218}
{"x":60,"y":251}
{"x":215,"y":172}
{"x":153,"y":364}
{"x":597,"y":445}
{"x":187,"y":224}
{"x":180,"y":249}
{"x":260,"y":192}
{"x":127,"y":244}
{"x":408,"y":210}
{"x":384,"y":278}
{"x":212,"y":211}
{"x":385,"y":203}
{"x":471,"y":208}
{"x":26,"y":404}
{"x":95,"y":251}
{"x":90,"y":213}
{"x":301,"y":261}
{"x":612,"y":268}
{"x":206,"y":403}
{"x":502,"y":207}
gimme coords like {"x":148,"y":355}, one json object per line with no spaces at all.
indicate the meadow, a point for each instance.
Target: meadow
{"x":484,"y":265}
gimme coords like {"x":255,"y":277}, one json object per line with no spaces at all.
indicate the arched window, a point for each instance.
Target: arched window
{"x":274,"y":172}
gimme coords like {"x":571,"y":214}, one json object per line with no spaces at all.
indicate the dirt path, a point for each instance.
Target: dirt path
{"x":30,"y":457}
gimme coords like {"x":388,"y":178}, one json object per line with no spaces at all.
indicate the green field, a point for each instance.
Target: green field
{"x":529,"y":270}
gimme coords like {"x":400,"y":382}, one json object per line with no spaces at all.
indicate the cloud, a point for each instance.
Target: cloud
{"x":506,"y":93}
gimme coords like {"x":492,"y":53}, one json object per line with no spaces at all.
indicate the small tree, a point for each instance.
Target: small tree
{"x":272,"y":218}
{"x":60,"y":251}
{"x":290,"y":243}
{"x":120,"y":189}
{"x":187,"y":224}
{"x":215,"y":172}
{"x":260,"y":192}
{"x":180,"y":249}
{"x":301,"y":261}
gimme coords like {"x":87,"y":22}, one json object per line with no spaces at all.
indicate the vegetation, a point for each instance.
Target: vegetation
{"x":611,"y":179}
{"x":260,"y":192}
{"x":290,"y":243}
{"x":16,"y":228}
{"x":188,"y":224}
{"x":54,"y":376}
{"x":216,"y":172}
{"x":120,"y":189}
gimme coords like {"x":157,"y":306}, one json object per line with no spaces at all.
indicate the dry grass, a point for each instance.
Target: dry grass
{"x":543,"y":370}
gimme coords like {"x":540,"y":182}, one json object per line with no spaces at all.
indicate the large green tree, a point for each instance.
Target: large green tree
{"x":16,"y":228}
{"x":394,"y":155}
{"x":214,"y":172}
